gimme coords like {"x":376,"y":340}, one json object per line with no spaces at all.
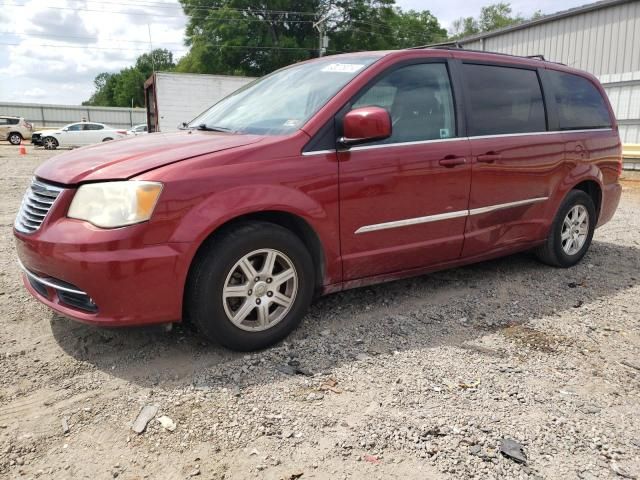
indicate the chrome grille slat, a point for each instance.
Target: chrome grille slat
{"x":35,"y":207}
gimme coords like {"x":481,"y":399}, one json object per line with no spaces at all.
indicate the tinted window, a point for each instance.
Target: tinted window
{"x":75,"y":127}
{"x":419,"y":100}
{"x":13,"y":121}
{"x":93,"y":126}
{"x":580,"y":104}
{"x":503,"y":100}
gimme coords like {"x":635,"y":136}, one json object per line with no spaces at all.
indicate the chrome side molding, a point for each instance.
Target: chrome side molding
{"x":449,"y":215}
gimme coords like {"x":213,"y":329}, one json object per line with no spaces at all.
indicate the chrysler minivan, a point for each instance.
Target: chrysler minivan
{"x":329,"y":174}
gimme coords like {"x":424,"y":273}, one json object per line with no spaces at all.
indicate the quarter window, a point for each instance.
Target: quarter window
{"x":503,"y":100}
{"x":418,"y":99}
{"x":580,"y":105}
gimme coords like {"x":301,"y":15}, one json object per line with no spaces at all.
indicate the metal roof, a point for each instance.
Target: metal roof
{"x":538,"y":21}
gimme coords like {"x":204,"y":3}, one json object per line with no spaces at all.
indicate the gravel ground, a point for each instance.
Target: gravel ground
{"x":421,"y":378}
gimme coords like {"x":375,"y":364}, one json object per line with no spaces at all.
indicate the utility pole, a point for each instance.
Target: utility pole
{"x":323,"y":40}
{"x":153,"y":62}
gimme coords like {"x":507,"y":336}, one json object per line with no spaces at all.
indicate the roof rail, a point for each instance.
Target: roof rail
{"x":457,"y":46}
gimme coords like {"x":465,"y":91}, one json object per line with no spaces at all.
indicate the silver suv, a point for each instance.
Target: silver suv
{"x":14,"y":129}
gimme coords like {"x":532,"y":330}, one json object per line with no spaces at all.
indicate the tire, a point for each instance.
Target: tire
{"x":107,"y":139}
{"x":15,"y":138}
{"x":265,"y":311}
{"x":49,"y":143}
{"x":568,"y":243}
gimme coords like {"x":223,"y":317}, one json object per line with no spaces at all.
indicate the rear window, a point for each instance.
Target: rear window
{"x":580,"y":105}
{"x":503,"y":100}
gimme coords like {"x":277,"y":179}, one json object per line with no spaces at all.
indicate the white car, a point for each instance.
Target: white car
{"x":138,"y":129}
{"x":77,"y":135}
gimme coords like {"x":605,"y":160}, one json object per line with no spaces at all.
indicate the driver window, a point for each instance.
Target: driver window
{"x":75,"y":127}
{"x":419,"y":101}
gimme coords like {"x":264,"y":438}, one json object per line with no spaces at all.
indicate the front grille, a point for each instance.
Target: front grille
{"x":36,"y":204}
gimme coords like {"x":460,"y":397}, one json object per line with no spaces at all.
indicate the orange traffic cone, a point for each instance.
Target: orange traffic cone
{"x":23,"y":150}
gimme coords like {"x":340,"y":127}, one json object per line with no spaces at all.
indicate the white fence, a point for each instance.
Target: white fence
{"x":43,"y":116}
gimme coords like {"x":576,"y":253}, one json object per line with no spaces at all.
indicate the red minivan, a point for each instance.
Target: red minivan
{"x":329,"y":174}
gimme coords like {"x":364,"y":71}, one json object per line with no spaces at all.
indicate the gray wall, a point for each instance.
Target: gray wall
{"x":605,"y":42}
{"x":60,"y":115}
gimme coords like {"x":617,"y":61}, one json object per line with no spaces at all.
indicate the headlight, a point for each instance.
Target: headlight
{"x":115,"y":204}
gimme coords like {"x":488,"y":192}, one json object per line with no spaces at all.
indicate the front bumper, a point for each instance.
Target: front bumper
{"x":103,"y":277}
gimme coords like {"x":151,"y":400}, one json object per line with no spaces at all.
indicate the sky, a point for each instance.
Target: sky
{"x":51,"y":50}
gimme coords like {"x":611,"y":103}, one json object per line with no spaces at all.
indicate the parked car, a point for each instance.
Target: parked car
{"x":138,"y":129}
{"x":330,"y":174}
{"x":77,"y":135}
{"x":14,"y":129}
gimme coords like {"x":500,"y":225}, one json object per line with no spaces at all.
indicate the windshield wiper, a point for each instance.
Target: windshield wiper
{"x":206,"y":128}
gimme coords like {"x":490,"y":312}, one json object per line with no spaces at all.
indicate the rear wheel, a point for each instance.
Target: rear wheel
{"x":571,"y":232}
{"x":15,"y":138}
{"x":50,"y":143}
{"x":251,"y":286}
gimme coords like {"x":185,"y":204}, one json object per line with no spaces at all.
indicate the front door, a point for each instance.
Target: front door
{"x":403,"y":200}
{"x":517,"y":162}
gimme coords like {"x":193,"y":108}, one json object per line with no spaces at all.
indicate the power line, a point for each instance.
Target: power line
{"x":218,"y":45}
{"x":389,"y":28}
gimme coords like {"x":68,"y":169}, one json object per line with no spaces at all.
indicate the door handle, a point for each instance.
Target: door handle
{"x":489,"y":157}
{"x":451,"y":161}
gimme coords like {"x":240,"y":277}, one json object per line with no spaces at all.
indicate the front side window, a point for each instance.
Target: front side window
{"x":418,"y":99}
{"x":503,"y":100}
{"x":282,"y":102}
{"x":580,"y":105}
{"x":76,"y":127}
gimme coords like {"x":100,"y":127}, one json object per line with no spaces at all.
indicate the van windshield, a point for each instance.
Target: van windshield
{"x":283,"y":101}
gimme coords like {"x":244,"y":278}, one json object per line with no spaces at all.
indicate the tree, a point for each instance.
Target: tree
{"x":249,"y":37}
{"x":125,"y":87}
{"x":491,"y":17}
{"x":159,"y":60}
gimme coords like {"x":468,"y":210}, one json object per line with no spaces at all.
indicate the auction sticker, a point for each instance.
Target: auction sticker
{"x":343,"y":67}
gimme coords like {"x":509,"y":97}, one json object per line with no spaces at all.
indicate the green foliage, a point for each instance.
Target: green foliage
{"x":253,"y":38}
{"x":256,"y":37}
{"x":492,"y":17}
{"x":127,"y":86}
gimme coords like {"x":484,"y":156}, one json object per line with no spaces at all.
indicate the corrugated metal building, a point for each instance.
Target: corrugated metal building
{"x":602,"y":38}
{"x":44,"y":116}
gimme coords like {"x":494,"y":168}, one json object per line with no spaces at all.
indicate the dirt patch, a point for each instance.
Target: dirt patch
{"x":421,"y":378}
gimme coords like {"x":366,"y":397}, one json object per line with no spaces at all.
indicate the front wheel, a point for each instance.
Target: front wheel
{"x":50,"y":143}
{"x":15,"y":138}
{"x":251,"y":286}
{"x":571,"y":232}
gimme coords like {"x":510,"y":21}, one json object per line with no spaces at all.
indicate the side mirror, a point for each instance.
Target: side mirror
{"x":65,"y":129}
{"x":365,"y":124}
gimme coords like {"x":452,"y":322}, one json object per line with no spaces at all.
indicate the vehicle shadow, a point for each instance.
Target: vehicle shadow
{"x":451,"y":307}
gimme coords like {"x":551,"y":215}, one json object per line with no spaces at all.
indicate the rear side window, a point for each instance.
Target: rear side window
{"x":418,"y":99}
{"x":13,"y":121}
{"x":580,"y":105}
{"x":503,"y":100}
{"x":93,"y":126}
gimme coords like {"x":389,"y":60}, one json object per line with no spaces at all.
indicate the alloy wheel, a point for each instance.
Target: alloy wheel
{"x":575,"y":229}
{"x":260,"y":289}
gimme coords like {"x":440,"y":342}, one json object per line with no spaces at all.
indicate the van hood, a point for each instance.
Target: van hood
{"x":122,"y":159}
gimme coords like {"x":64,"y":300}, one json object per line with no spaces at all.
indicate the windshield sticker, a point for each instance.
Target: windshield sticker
{"x":343,"y":67}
